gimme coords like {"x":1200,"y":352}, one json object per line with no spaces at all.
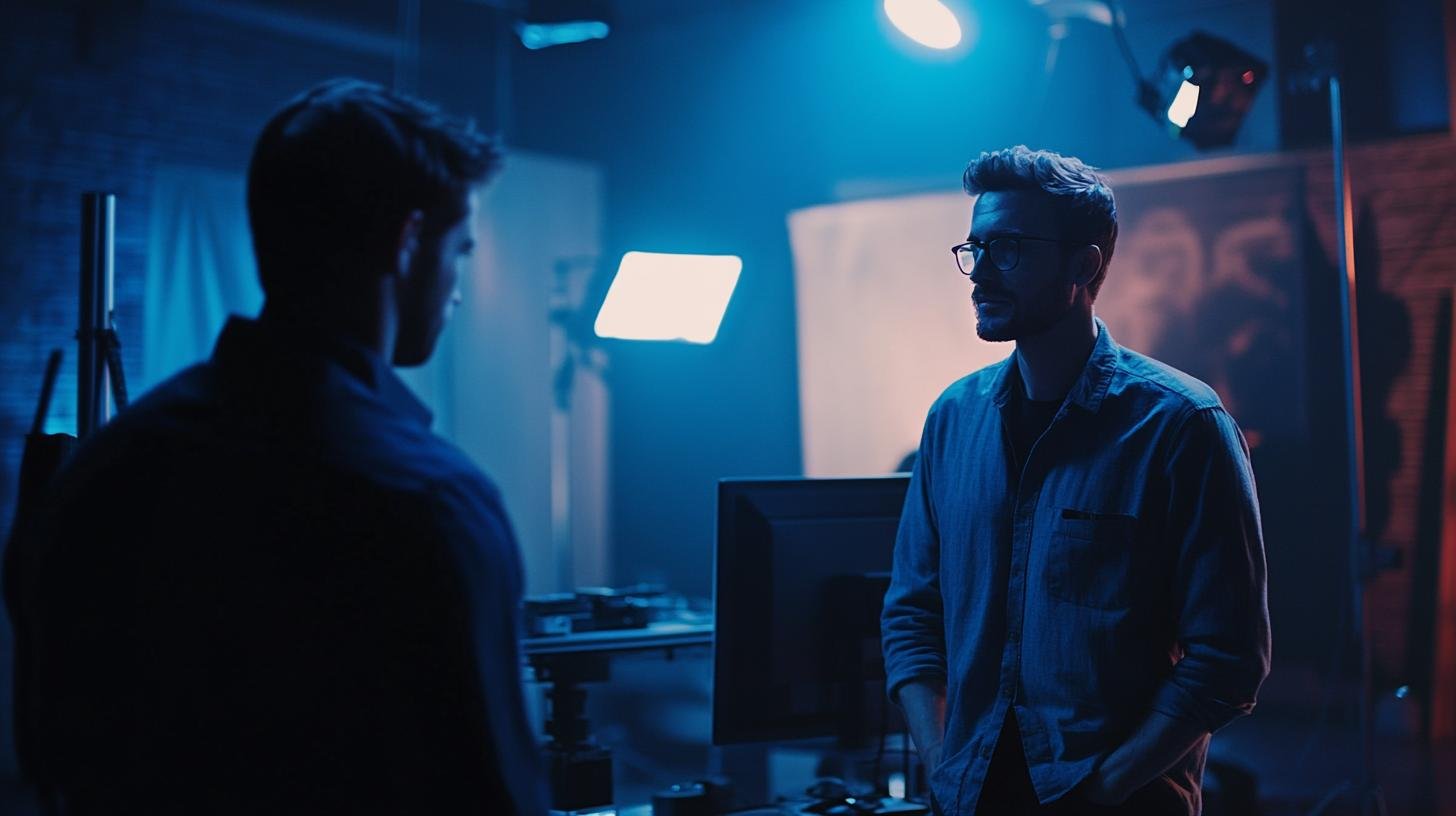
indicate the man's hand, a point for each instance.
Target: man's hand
{"x":1099,"y":791}
{"x":924,"y":705}
{"x":1158,"y":743}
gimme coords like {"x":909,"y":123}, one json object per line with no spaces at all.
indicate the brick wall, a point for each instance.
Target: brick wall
{"x":94,"y":100}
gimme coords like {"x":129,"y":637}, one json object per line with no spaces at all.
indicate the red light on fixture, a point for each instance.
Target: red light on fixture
{"x":1248,"y":77}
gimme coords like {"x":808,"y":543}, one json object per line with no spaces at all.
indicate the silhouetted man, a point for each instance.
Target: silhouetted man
{"x":267,"y":587}
{"x":1078,"y":596}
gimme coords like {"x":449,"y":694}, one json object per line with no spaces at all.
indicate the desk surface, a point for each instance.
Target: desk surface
{"x":654,"y":636}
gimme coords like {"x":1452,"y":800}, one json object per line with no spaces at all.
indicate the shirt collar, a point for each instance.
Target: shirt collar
{"x":1091,"y":385}
{"x":246,"y":338}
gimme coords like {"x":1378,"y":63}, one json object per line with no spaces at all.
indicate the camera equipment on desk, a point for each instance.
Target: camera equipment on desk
{"x":802,"y":566}
{"x":570,"y":640}
{"x":595,"y":609}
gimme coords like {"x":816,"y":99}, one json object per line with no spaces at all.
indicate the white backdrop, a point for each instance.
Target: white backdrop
{"x":885,"y":324}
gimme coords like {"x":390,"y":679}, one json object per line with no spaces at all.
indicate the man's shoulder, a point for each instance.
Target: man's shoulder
{"x":1141,"y":376}
{"x":162,"y":411}
{"x":415,"y":459}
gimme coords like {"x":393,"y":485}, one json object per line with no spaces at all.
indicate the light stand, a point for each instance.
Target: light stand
{"x":100,"y":387}
{"x":651,"y":297}
{"x":1366,"y":559}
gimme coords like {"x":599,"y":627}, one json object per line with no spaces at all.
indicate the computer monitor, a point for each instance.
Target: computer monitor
{"x":802,"y":566}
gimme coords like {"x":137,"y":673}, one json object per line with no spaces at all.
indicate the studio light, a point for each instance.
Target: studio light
{"x":928,"y":22}
{"x":662,"y":296}
{"x":1185,"y":104}
{"x":1203,"y":89}
{"x":545,"y":23}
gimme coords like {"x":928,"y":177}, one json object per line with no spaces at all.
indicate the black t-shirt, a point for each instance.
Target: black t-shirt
{"x":1029,"y":420}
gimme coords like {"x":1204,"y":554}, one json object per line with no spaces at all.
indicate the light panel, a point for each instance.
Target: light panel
{"x":536,"y":36}
{"x":664,"y":296}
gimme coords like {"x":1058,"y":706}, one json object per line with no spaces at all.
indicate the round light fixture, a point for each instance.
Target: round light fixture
{"x":928,"y":22}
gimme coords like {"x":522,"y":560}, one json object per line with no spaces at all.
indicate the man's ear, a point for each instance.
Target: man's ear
{"x":1086,"y":263}
{"x":408,"y":243}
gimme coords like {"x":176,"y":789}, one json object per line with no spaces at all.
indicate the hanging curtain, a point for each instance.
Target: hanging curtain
{"x":200,"y":268}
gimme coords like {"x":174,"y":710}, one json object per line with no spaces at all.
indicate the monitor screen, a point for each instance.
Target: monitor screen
{"x":801,"y":569}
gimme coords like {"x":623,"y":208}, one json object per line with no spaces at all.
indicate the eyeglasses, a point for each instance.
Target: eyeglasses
{"x":1004,"y":251}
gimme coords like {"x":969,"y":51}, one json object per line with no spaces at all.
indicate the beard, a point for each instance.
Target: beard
{"x":422,"y":308}
{"x":1001,"y":316}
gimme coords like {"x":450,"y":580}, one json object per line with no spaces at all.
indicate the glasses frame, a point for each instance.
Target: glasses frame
{"x":985,"y":248}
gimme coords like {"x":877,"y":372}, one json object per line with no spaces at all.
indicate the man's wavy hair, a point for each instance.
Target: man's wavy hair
{"x":336,"y":172}
{"x":1086,"y":210}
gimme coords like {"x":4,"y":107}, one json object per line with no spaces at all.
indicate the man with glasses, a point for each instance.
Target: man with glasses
{"x":1078,"y":597}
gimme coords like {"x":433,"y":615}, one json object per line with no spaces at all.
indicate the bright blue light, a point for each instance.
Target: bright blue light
{"x":660,"y":296}
{"x":544,"y":35}
{"x":928,"y":22}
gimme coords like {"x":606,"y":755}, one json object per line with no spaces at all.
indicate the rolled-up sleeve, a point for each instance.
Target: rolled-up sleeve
{"x":1219,"y":591}
{"x":912,"y":626}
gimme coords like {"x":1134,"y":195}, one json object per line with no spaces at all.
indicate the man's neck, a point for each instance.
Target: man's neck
{"x":359,"y":326}
{"x":1051,"y":362}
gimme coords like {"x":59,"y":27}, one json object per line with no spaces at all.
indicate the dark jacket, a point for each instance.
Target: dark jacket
{"x":267,"y":587}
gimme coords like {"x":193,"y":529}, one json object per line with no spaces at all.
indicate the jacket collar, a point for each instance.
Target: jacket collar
{"x":245,"y":340}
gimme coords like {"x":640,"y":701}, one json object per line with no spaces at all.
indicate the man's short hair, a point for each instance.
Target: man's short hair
{"x":1086,"y":210}
{"x":335,"y":173}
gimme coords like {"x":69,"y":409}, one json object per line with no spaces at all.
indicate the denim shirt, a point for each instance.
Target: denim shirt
{"x":1121,"y":572}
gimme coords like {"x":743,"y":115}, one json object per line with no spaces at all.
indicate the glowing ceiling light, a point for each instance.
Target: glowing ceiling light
{"x":1184,"y":104}
{"x":536,"y":36}
{"x":928,"y":22}
{"x":660,"y":296}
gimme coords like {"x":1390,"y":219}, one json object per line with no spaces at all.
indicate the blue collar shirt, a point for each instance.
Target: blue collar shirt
{"x":1120,"y":572}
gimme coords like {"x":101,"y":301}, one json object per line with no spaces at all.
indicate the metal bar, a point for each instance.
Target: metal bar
{"x":563,"y":379}
{"x":47,"y":389}
{"x":98,"y":252}
{"x":1360,"y":554}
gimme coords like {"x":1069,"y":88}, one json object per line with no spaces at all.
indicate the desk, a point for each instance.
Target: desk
{"x":580,"y":771}
{"x":671,"y":635}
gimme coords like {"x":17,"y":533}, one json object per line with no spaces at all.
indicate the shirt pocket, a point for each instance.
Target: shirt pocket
{"x":1090,"y":561}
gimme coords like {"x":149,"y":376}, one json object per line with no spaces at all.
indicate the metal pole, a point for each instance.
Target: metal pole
{"x":563,"y":367}
{"x":98,"y":251}
{"x":1361,"y":558}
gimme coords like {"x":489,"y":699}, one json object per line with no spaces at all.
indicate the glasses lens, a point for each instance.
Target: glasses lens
{"x":966,"y":258}
{"x":1005,"y":252}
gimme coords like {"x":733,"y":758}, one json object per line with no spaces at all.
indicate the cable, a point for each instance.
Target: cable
{"x":880,"y":752}
{"x":111,"y":345}
{"x":905,"y":759}
{"x":47,"y":388}
{"x":1119,"y":33}
{"x":1147,"y":94}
